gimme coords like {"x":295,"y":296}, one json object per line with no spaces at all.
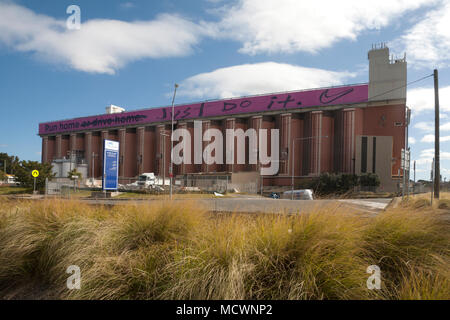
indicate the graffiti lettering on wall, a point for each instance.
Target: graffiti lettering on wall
{"x":285,"y":101}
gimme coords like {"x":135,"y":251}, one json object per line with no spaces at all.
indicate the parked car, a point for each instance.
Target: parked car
{"x":274,"y":195}
{"x":304,"y":194}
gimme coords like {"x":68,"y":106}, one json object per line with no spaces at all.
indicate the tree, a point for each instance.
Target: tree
{"x":74,"y":173}
{"x":2,"y":175}
{"x":8,"y":162}
{"x":24,"y":177}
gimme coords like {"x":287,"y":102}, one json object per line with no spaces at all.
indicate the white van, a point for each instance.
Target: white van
{"x":305,"y":194}
{"x":146,"y":180}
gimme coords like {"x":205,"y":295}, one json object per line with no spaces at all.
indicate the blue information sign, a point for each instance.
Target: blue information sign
{"x":110,"y":165}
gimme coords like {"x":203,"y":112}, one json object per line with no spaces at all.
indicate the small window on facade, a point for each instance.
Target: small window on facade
{"x":398,"y":124}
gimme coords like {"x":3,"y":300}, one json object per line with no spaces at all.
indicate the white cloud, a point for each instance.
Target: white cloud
{"x":422,"y":99}
{"x":429,"y":126}
{"x":267,"y":26}
{"x":127,"y":5}
{"x":428,"y":42}
{"x":412,"y":140}
{"x":425,"y":126}
{"x":426,"y":156}
{"x":100,"y":46}
{"x":445,"y":127}
{"x":258,"y":78}
{"x":430,"y":138}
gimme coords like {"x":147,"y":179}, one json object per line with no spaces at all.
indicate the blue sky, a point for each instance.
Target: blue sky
{"x":130,"y":53}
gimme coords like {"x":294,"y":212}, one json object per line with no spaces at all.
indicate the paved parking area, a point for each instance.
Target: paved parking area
{"x":265,"y":205}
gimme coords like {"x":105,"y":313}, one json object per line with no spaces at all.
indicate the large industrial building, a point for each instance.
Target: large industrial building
{"x":348,"y":129}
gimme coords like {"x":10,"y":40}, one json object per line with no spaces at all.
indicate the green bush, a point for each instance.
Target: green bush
{"x":336,"y":183}
{"x":369,"y":180}
{"x":329,"y":183}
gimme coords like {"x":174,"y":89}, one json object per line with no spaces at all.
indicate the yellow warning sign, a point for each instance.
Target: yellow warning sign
{"x":35,"y":173}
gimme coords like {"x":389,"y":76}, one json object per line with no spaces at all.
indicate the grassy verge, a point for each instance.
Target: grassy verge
{"x":179,"y":251}
{"x":14,"y":190}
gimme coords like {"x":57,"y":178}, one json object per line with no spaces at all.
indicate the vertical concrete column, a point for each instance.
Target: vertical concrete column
{"x":140,"y":140}
{"x":150,"y":151}
{"x":348,"y":118}
{"x":205,"y":126}
{"x":44,"y":153}
{"x":161,"y":141}
{"x":230,"y":123}
{"x":88,"y":155}
{"x":122,"y":154}
{"x":73,"y":142}
{"x":297,"y":142}
{"x":327,"y":144}
{"x":58,"y":146}
{"x":316,"y":142}
{"x":255,"y":123}
{"x":104,"y":136}
{"x":285,"y":143}
{"x":180,"y":169}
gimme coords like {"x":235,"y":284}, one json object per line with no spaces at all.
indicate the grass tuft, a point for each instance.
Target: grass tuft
{"x":179,"y":251}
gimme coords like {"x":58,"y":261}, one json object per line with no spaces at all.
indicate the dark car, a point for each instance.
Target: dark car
{"x":275,"y":195}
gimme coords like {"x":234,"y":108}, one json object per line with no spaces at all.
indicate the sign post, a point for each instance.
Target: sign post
{"x":35,"y":174}
{"x":110,"y":179}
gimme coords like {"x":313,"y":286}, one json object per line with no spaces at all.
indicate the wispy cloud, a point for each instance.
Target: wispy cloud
{"x":430,"y":138}
{"x":428,"y":41}
{"x":267,"y":26}
{"x":258,"y":78}
{"x":426,"y":156}
{"x":127,"y":5}
{"x":101,"y":46}
{"x":422,"y":99}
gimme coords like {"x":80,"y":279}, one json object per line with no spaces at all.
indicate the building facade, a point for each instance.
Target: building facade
{"x":349,"y":129}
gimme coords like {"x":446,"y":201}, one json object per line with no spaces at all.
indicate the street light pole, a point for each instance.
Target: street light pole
{"x":171,"y":141}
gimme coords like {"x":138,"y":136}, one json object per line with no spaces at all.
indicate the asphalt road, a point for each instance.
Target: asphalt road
{"x":265,"y":205}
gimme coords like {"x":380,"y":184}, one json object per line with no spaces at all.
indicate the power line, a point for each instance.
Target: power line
{"x":404,"y":86}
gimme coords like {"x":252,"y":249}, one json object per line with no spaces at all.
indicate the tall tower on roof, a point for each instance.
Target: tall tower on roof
{"x":387,"y":75}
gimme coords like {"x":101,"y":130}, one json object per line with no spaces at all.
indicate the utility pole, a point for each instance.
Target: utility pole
{"x":408,"y":158}
{"x":437,"y":171}
{"x":171,"y":141}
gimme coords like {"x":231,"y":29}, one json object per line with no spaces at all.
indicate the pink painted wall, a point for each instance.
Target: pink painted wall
{"x":272,"y":102}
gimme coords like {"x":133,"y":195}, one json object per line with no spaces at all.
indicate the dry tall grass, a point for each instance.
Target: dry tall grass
{"x":179,"y":251}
